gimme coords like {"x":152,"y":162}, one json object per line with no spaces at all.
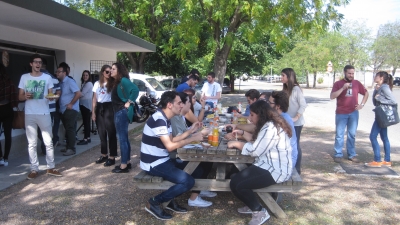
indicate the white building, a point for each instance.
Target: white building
{"x":59,"y":34}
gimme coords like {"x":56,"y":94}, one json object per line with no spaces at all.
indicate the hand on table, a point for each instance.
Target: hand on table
{"x":195,"y":127}
{"x":236,"y":144}
{"x":196,"y":137}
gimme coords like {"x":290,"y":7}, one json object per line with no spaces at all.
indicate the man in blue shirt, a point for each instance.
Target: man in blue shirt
{"x":252,"y":95}
{"x":189,"y":84}
{"x":69,"y":108}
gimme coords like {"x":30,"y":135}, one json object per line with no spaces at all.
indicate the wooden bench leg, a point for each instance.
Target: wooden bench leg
{"x":272,"y":205}
{"x":190,"y":167}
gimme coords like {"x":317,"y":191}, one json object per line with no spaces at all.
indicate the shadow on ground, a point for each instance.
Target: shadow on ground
{"x":90,"y":194}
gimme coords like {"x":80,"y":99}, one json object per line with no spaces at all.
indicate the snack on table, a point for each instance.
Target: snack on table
{"x":195,"y":142}
{"x":242,"y":120}
{"x":210,"y":116}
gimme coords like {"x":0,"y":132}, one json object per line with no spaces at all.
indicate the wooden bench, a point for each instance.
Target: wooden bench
{"x":146,"y":181}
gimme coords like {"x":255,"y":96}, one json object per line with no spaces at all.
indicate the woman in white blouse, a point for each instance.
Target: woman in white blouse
{"x":85,"y":106}
{"x":273,"y":158}
{"x":297,"y":106}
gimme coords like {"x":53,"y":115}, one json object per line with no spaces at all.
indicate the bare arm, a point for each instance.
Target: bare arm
{"x":338,"y":92}
{"x":94,"y":104}
{"x":170,"y":145}
{"x":21,"y":95}
{"x":363,"y":101}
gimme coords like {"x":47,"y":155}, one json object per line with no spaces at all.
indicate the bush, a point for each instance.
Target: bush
{"x":320,"y":80}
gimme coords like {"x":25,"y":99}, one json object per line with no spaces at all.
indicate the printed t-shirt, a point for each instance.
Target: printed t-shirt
{"x":211,"y":90}
{"x":39,"y":87}
{"x":101,"y":92}
{"x":347,"y":100}
{"x":152,"y":151}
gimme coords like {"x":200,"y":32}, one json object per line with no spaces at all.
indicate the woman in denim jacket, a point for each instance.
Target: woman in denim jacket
{"x":382,"y":95}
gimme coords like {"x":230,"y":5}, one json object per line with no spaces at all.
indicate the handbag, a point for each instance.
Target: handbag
{"x":19,"y":119}
{"x":386,"y":115}
{"x":137,"y":114}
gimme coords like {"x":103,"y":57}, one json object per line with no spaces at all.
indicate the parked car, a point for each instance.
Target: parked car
{"x":396,"y":81}
{"x":146,"y":84}
{"x":171,"y":84}
{"x":226,"y":86}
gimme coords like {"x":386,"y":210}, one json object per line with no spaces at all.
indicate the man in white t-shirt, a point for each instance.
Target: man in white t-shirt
{"x":33,"y":89}
{"x":211,"y":91}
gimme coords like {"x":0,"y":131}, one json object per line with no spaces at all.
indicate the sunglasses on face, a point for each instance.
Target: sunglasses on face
{"x":107,"y":71}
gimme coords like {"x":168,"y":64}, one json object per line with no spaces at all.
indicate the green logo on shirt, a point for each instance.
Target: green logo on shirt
{"x":36,"y":88}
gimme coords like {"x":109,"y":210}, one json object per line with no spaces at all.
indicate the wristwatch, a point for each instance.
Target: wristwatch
{"x":362,"y":104}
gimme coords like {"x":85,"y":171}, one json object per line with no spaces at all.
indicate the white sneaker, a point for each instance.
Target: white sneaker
{"x":1,"y":162}
{"x":207,"y":194}
{"x":5,"y":162}
{"x":258,"y":218}
{"x":199,"y":202}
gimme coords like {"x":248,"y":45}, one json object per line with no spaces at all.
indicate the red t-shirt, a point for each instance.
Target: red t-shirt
{"x":347,"y":100}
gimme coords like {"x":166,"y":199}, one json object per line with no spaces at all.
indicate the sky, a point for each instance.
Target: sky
{"x":374,"y":12}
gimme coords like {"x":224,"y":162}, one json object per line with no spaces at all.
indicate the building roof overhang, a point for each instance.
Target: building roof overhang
{"x":51,"y":18}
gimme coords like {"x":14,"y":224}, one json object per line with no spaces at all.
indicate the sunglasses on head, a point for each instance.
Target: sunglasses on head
{"x":107,"y":71}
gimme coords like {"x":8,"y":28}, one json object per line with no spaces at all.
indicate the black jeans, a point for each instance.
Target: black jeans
{"x":68,"y":119}
{"x":243,"y":183}
{"x":106,"y":127}
{"x":299,"y":154}
{"x":86,"y":118}
{"x":6,"y":118}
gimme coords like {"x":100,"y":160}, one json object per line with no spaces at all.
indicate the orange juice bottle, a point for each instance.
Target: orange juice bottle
{"x":210,"y":134}
{"x":215,"y":137}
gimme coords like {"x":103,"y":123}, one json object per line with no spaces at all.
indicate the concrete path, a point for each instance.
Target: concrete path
{"x":19,"y":165}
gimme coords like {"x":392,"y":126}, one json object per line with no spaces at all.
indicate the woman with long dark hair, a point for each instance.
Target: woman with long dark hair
{"x":123,"y":96}
{"x":273,"y":159}
{"x":8,"y":100}
{"x":103,"y":115}
{"x":382,"y":95}
{"x":297,"y":106}
{"x":85,"y":105}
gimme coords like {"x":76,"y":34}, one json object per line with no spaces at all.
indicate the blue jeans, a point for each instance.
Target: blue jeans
{"x":351,"y":122}
{"x":183,"y":181}
{"x":121,"y":125}
{"x":373,"y":137}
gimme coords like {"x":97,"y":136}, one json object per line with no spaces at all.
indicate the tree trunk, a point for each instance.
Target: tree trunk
{"x":308,"y":82}
{"x":394,"y":71}
{"x":315,"y":79}
{"x":136,"y":61}
{"x":220,"y":60}
{"x":333,"y":80}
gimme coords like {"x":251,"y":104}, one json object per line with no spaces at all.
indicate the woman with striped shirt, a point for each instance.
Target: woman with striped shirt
{"x":273,"y":159}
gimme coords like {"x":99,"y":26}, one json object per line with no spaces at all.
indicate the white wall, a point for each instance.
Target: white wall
{"x":77,"y":54}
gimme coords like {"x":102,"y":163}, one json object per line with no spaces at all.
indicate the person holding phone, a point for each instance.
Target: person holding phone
{"x":347,"y":110}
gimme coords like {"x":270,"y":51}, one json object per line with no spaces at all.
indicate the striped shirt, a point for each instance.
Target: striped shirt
{"x":152,"y":151}
{"x":56,"y":87}
{"x":272,"y":152}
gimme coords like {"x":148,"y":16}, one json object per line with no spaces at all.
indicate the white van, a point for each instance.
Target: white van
{"x":146,"y":84}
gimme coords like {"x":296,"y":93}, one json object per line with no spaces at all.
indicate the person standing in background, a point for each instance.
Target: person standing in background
{"x":33,"y":89}
{"x":69,"y":108}
{"x":297,"y":106}
{"x":123,"y":96}
{"x":382,"y":95}
{"x":103,"y":114}
{"x":8,"y":101}
{"x":346,"y":92}
{"x":85,"y":105}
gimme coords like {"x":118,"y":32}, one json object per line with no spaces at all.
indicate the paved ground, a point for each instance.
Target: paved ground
{"x":19,"y":165}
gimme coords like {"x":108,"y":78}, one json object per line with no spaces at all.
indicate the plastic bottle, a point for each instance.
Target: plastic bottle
{"x":234,"y":118}
{"x":211,"y":133}
{"x":215,"y":136}
{"x":240,"y":107}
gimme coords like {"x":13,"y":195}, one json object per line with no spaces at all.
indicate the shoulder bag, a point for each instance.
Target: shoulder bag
{"x":386,"y":115}
{"x":137,"y":114}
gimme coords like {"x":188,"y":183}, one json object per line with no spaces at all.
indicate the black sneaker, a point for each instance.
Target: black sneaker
{"x":89,"y":141}
{"x":102,"y":159}
{"x":175,"y":207}
{"x":82,"y":142}
{"x":129,"y":166}
{"x":156,"y":210}
{"x":109,"y":162}
{"x":119,"y":170}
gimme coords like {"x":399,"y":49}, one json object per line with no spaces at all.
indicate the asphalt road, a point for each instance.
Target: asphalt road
{"x":320,"y":112}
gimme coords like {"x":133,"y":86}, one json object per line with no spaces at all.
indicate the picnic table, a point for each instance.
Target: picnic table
{"x":223,"y":156}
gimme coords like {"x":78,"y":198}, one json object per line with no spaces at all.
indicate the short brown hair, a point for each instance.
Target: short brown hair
{"x":252,"y":94}
{"x":281,"y":98}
